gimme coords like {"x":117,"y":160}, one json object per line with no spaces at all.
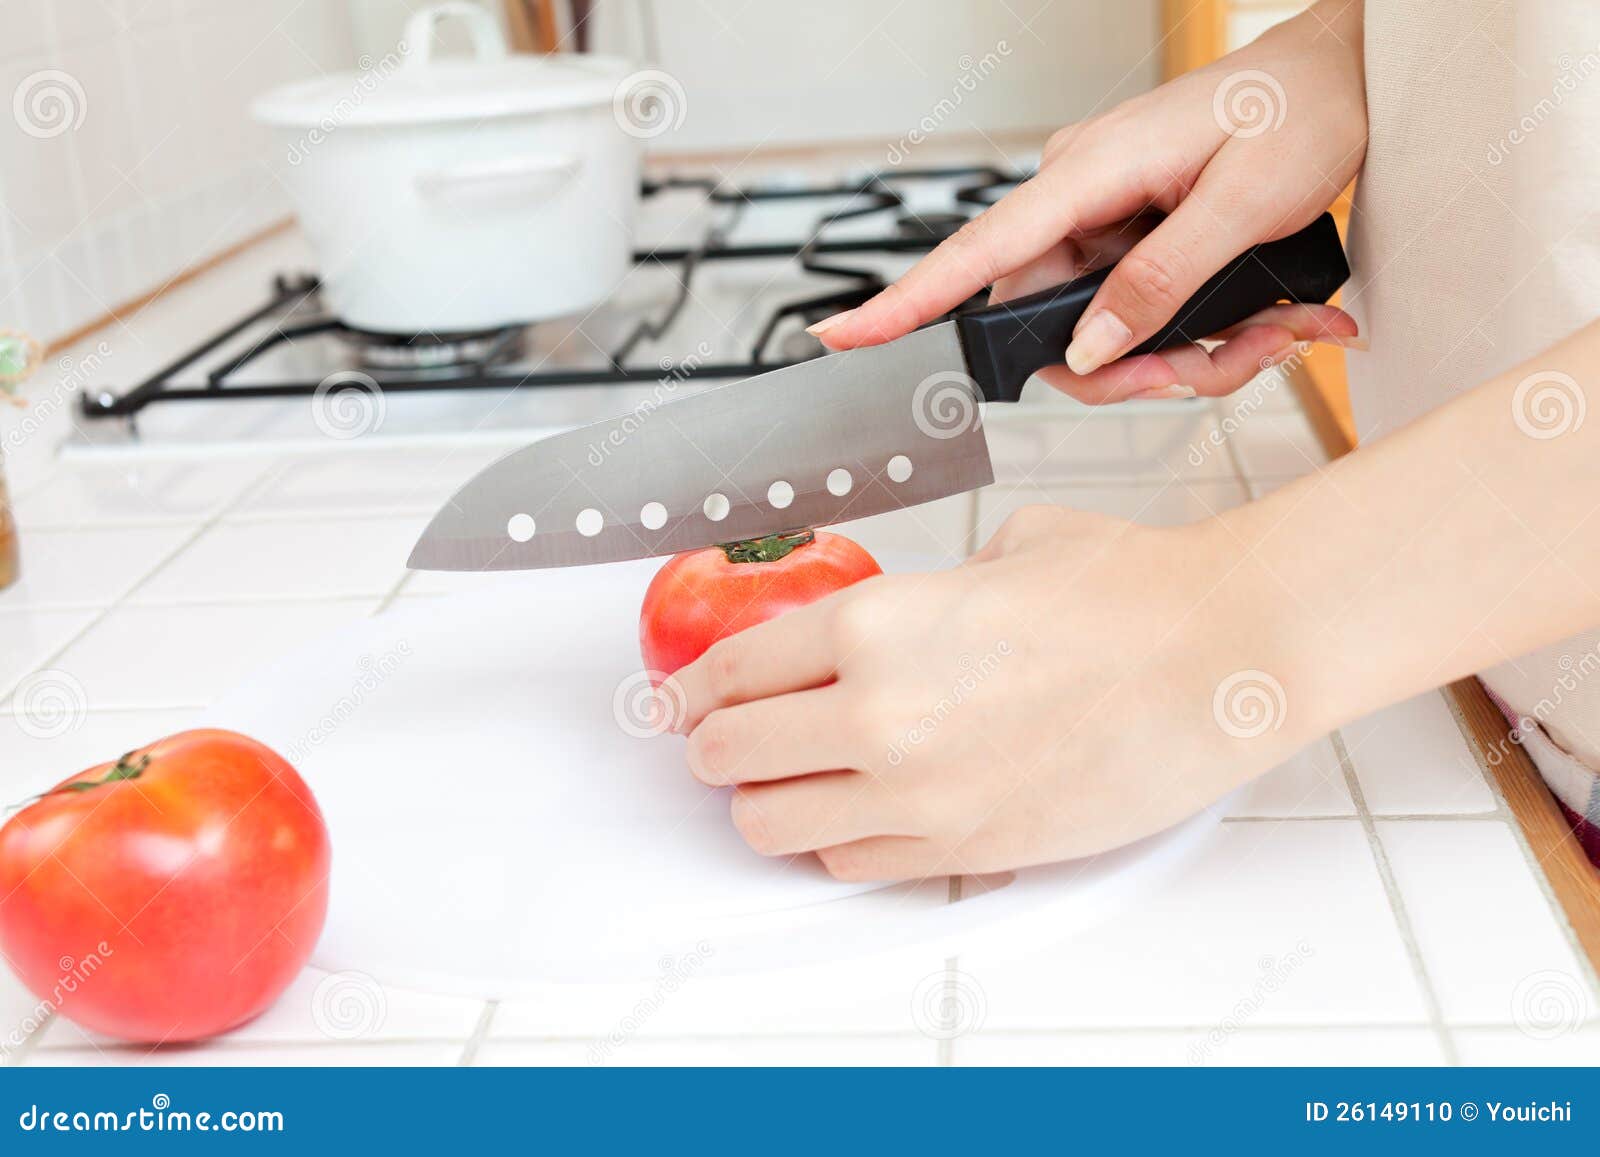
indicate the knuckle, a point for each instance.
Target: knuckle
{"x":972,"y":247}
{"x":843,"y":864}
{"x":1064,"y":138}
{"x":1153,"y":279}
{"x":898,"y":304}
{"x":709,"y":746}
{"x":1034,"y":516}
{"x":724,"y":670}
{"x":1057,"y":141}
{"x":1028,"y":521}
{"x":855,"y":620}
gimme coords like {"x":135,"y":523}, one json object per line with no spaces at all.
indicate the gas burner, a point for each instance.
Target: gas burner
{"x":494,"y":359}
{"x":442,"y":352}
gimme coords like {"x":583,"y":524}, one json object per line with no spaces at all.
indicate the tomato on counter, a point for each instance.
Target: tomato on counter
{"x":701,"y":596}
{"x":168,"y":896}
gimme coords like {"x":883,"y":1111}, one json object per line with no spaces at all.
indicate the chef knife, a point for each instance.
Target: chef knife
{"x":838,"y":437}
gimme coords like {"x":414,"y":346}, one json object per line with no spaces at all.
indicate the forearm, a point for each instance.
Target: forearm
{"x":1465,"y":539}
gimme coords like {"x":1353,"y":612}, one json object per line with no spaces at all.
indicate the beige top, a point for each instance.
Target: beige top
{"x":1475,"y":242}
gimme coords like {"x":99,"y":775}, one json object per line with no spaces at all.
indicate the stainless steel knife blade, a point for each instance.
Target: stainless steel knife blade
{"x":839,"y":437}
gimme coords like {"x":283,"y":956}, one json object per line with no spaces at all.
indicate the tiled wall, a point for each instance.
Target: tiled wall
{"x":125,"y":150}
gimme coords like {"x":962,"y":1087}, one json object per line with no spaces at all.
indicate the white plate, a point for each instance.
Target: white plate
{"x":500,"y":820}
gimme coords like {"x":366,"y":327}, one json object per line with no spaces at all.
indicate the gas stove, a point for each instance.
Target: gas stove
{"x":723,"y":286}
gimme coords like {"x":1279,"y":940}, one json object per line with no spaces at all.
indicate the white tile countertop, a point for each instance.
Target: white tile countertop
{"x":1370,"y":901}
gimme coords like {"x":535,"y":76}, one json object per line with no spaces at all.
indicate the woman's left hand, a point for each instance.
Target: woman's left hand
{"x":1078,"y":684}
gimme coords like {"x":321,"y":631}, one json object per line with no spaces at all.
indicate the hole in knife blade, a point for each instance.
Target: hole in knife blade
{"x":899,"y":468}
{"x":520,"y":527}
{"x":716,"y":507}
{"x":589,"y":522}
{"x":653,"y":516}
{"x":780,"y":494}
{"x":839,"y":482}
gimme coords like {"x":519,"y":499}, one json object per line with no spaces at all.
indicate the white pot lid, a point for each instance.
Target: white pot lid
{"x":409,"y":86}
{"x":446,"y":90}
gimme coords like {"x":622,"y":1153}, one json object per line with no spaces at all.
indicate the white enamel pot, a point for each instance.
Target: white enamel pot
{"x":449,"y":195}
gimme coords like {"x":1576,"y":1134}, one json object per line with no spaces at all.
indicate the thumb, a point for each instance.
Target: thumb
{"x":1153,"y":280}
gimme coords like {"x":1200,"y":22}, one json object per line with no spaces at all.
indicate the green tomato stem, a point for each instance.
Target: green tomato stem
{"x":126,"y":767}
{"x":770,"y":548}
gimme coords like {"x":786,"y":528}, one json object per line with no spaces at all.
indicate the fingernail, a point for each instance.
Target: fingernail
{"x":704,"y":774}
{"x":665,"y":711}
{"x":827,"y":323}
{"x":659,"y":713}
{"x":1162,"y":393}
{"x":1102,"y":338}
{"x":1354,"y":342}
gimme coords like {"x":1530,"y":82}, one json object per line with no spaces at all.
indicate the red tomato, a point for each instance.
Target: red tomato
{"x":169,"y":896}
{"x":701,"y":596}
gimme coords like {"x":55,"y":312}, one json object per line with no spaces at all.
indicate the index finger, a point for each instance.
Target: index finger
{"x":792,"y":652}
{"x":1073,"y":194}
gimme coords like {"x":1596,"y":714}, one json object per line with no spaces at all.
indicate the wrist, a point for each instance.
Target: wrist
{"x":1273,"y":615}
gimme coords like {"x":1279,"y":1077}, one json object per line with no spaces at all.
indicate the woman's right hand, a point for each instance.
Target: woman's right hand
{"x":1171,"y":185}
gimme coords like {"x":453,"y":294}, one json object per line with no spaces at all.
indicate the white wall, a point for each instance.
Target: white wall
{"x":156,"y":164}
{"x":759,"y":72}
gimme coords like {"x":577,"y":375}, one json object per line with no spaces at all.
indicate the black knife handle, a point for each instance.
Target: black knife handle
{"x":1006,"y":344}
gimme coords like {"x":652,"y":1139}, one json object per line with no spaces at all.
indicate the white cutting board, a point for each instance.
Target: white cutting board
{"x":500,"y":819}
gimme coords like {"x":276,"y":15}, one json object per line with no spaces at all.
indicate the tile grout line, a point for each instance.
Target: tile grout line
{"x":1232,"y":451}
{"x":121,"y":600}
{"x":944,"y":1048}
{"x":480,"y":1033}
{"x":18,"y":1057}
{"x":1397,"y":906}
{"x":245,"y":601}
{"x":394,"y":593}
{"x":1070,"y":1030}
{"x":1387,"y":817}
{"x":1080,"y":1030}
{"x":271,"y":471}
{"x":1520,"y":838}
{"x":1283,"y":1029}
{"x":136,"y":1051}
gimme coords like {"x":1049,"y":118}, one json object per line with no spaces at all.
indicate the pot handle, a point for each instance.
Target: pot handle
{"x":523,"y":175}
{"x":488,"y":43}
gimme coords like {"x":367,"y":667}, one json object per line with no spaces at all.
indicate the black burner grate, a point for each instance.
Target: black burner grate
{"x":401,"y":364}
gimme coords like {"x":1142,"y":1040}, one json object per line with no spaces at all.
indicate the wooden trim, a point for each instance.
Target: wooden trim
{"x":1193,"y":34}
{"x":1320,"y":388}
{"x":183,"y":276}
{"x":1574,"y":881}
